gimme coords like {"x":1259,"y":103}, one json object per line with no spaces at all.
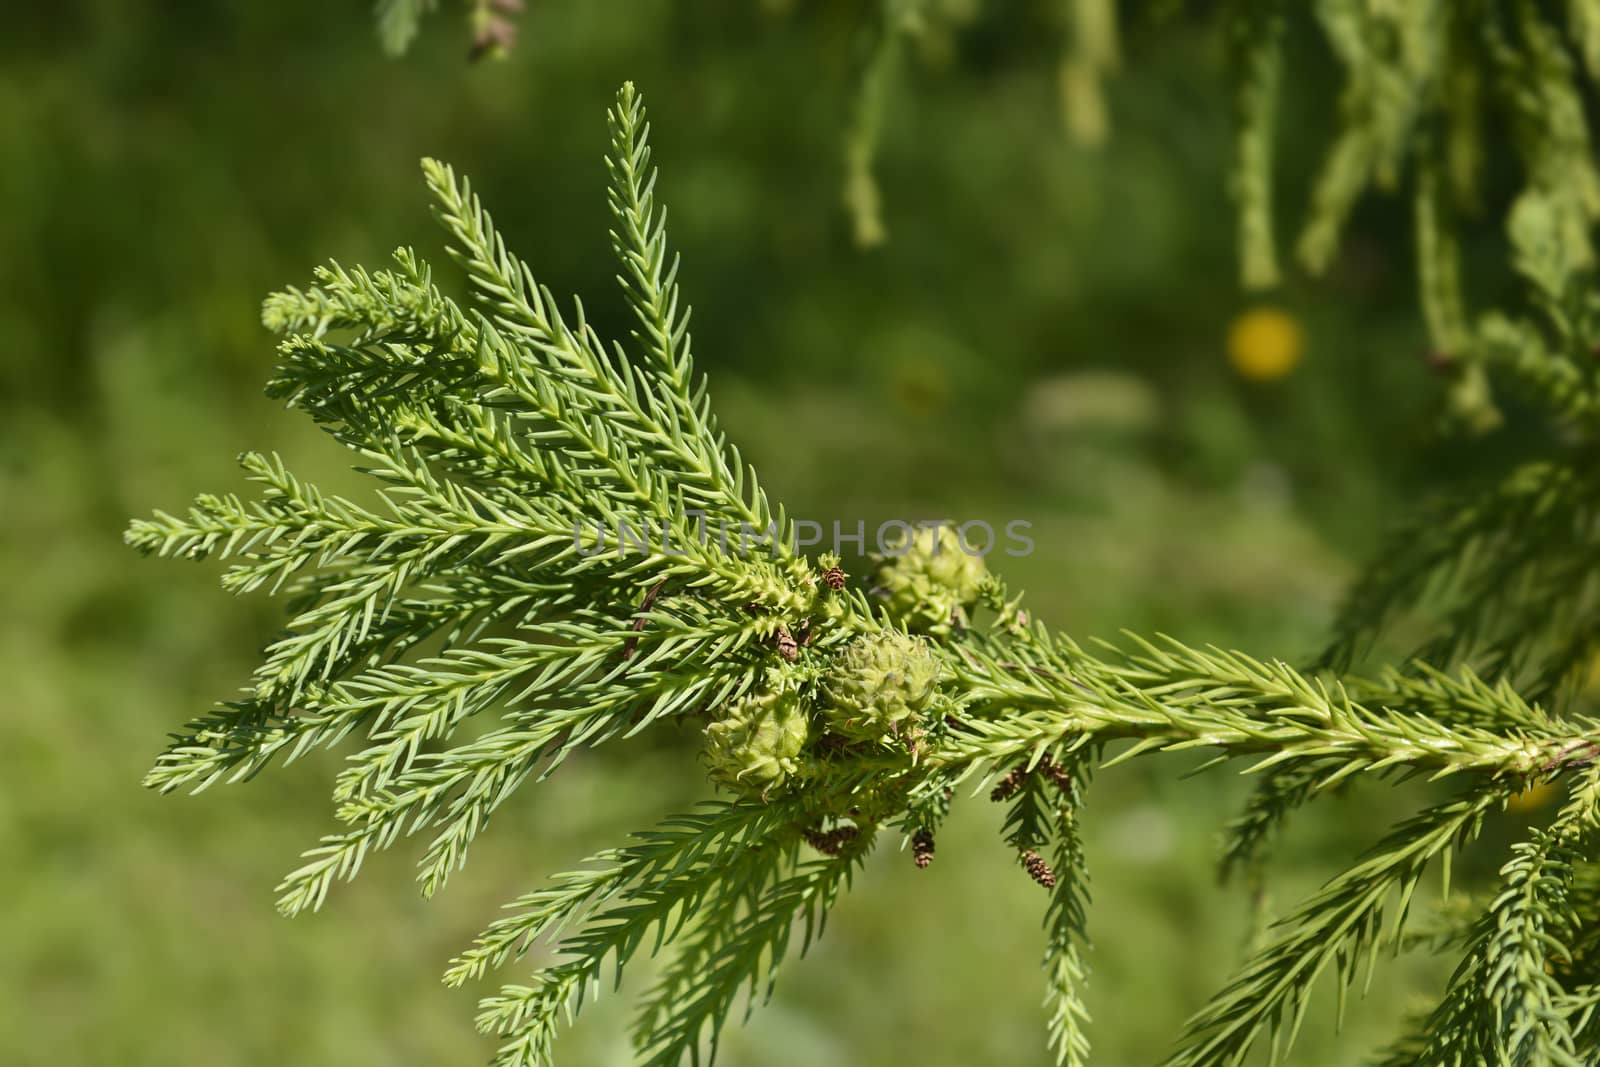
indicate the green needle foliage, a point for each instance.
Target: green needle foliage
{"x":1426,"y":86}
{"x":464,"y":635}
{"x":1426,"y":83}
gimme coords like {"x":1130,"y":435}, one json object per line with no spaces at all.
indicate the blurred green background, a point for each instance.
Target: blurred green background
{"x":1044,"y":337}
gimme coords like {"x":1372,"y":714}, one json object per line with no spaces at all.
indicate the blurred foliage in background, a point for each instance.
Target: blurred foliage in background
{"x":1045,"y":336}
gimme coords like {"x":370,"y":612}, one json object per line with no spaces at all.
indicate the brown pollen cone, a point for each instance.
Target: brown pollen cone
{"x":831,"y":842}
{"x":1038,"y":869}
{"x":1007,"y":787}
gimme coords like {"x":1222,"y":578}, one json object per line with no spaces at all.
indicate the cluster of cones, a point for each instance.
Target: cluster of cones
{"x":1036,"y":866}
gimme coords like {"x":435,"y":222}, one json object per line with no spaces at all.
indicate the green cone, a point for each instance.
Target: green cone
{"x":879,"y":686}
{"x":931,"y":586}
{"x":755,"y":746}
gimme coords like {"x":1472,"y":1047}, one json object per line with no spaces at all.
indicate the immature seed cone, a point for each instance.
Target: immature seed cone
{"x":878,"y":686}
{"x":755,"y":746}
{"x":922,"y":848}
{"x":933,"y":583}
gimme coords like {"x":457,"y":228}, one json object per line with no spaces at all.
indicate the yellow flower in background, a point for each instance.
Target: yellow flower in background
{"x":1265,"y":344}
{"x":1533,"y":798}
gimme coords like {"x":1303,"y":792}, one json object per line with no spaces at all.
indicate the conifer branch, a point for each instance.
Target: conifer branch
{"x":1342,"y":926}
{"x":466,"y":592}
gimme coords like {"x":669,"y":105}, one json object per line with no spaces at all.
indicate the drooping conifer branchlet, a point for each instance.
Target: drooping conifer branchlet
{"x":1421,"y":82}
{"x":513,"y":451}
